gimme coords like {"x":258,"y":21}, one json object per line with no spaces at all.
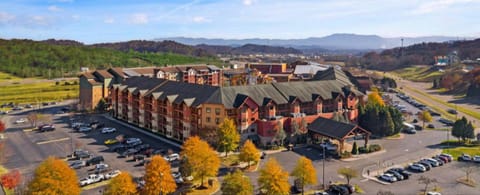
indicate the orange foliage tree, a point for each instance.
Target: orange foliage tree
{"x":54,"y":176}
{"x":305,"y":172}
{"x":158,"y":178}
{"x":11,"y":179}
{"x":121,"y":184}
{"x":249,"y":153}
{"x":375,"y":98}
{"x":273,"y":179}
{"x":202,"y":158}
{"x":2,"y":126}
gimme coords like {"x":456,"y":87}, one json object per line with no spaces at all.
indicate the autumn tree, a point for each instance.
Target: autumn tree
{"x":273,"y":180}
{"x":203,"y":160}
{"x":237,"y":183}
{"x":280,"y":133}
{"x":427,"y":181}
{"x":374,"y":98}
{"x":249,"y":153}
{"x":54,"y":176}
{"x":425,"y":117}
{"x":228,"y":136}
{"x":158,"y":178}
{"x":121,"y":184}
{"x":348,"y":173}
{"x":305,"y":172}
{"x":11,"y":179}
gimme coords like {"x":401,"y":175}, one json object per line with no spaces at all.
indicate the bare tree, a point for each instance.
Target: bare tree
{"x":468,"y":171}
{"x":33,"y":118}
{"x":427,"y":181}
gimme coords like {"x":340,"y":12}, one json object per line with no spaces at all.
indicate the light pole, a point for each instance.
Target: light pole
{"x":323,"y":172}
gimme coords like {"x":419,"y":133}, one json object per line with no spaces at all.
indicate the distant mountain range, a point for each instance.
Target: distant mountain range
{"x":331,"y":42}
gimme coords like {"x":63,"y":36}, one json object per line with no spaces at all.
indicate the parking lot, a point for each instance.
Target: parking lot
{"x":26,"y":148}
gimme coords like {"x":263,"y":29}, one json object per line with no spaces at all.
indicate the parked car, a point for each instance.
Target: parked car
{"x":452,"y":111}
{"x":132,"y":140}
{"x":178,"y":177}
{"x":427,"y":165}
{"x":464,"y":157}
{"x":335,"y":189}
{"x":417,"y":167}
{"x":90,"y":179}
{"x":112,"y":174}
{"x":446,"y":121}
{"x":142,"y":147}
{"x":101,"y":168}
{"x":431,"y":126}
{"x":396,"y":174}
{"x":81,"y":154}
{"x":440,"y":161}
{"x":129,"y":152}
{"x":388,"y":177}
{"x":418,"y":127}
{"x":450,"y":157}
{"x":108,"y":130}
{"x":432,"y":162}
{"x":20,"y":121}
{"x":476,"y":159}
{"x":404,"y":172}
{"x":434,"y":193}
{"x":46,"y":127}
{"x":172,"y":157}
{"x":77,"y":164}
{"x":95,"y":160}
{"x":110,"y":141}
{"x":84,"y":129}
{"x":444,"y":159}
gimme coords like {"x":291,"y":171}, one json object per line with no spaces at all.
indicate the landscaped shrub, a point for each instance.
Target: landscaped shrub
{"x":363,"y":150}
{"x":345,"y":154}
{"x":374,"y":148}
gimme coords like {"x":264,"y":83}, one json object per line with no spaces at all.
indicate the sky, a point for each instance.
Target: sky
{"x":95,"y":21}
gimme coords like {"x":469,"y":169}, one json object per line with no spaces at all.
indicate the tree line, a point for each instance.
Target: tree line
{"x":27,"y":58}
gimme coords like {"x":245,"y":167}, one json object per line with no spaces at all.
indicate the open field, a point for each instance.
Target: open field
{"x":34,"y":93}
{"x":458,"y":151}
{"x":8,"y":77}
{"x":418,"y":73}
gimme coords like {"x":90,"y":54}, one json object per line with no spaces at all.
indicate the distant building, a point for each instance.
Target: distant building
{"x":268,"y":68}
{"x":95,"y":85}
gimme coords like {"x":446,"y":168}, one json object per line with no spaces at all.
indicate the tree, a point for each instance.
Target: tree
{"x":11,"y":179}
{"x":2,"y":126}
{"x":101,"y":106}
{"x":158,"y":178}
{"x":374,"y":98}
{"x":354,"y":148}
{"x":273,"y":180}
{"x":425,"y":116}
{"x":237,"y":183}
{"x":462,"y":129}
{"x":228,"y":136}
{"x":54,"y":176}
{"x":468,"y":171}
{"x":249,"y":153}
{"x":348,"y":173}
{"x":121,"y":184}
{"x":33,"y":118}
{"x":305,"y":172}
{"x":280,"y":132}
{"x":427,"y":181}
{"x":203,"y":160}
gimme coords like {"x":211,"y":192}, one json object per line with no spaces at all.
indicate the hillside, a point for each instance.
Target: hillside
{"x":154,"y":46}
{"x":50,"y":59}
{"x":248,"y":49}
{"x":423,"y":53}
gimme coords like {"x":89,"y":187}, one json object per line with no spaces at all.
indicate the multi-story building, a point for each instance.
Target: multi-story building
{"x":179,"y":110}
{"x":96,"y":85}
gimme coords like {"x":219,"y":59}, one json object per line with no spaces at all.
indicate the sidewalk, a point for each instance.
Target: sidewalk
{"x":363,"y":156}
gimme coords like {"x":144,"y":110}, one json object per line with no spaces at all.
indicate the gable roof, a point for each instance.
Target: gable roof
{"x":179,"y":92}
{"x":333,"y":73}
{"x":103,"y":73}
{"x":257,"y":92}
{"x":332,"y":128}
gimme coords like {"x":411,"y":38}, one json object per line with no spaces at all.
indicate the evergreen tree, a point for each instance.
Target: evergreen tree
{"x":354,"y":148}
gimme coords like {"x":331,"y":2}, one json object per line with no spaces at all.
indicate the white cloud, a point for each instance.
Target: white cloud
{"x":436,"y":5}
{"x":248,"y":2}
{"x":54,"y":8}
{"x":39,"y":20}
{"x":109,"y":20}
{"x":6,"y":17}
{"x":139,"y":18}
{"x":200,"y":19}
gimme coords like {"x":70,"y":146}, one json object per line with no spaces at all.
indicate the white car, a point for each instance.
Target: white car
{"x":20,"y":121}
{"x":433,"y":193}
{"x":178,"y":177}
{"x":132,"y":140}
{"x":93,"y":178}
{"x":85,"y":129}
{"x":108,"y":130}
{"x":476,"y":159}
{"x":417,"y":167}
{"x":388,"y":177}
{"x":172,"y":157}
{"x":112,"y":174}
{"x":464,"y":157}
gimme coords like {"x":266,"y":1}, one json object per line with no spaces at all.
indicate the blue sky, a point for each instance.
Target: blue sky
{"x":93,"y":21}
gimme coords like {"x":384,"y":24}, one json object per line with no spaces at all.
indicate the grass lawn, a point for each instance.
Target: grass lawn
{"x":230,"y":160}
{"x":209,"y":190}
{"x":37,"y":92}
{"x":458,"y":151}
{"x":8,"y":77}
{"x":418,"y":73}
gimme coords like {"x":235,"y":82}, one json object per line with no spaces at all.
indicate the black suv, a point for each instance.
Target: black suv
{"x":95,"y":160}
{"x":46,"y":127}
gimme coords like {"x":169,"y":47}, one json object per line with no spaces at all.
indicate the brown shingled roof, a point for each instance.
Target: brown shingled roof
{"x":143,"y":71}
{"x":104,"y":73}
{"x":118,"y":71}
{"x":87,"y":75}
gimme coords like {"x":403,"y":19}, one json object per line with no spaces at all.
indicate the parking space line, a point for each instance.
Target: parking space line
{"x":55,"y":140}
{"x":29,"y":129}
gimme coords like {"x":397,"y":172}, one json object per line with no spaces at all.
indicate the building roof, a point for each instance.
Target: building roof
{"x":308,"y":69}
{"x":333,"y":74}
{"x":332,"y":128}
{"x":143,"y":71}
{"x":257,"y":92}
{"x":306,"y":91}
{"x":179,"y":92}
{"x":142,"y":83}
{"x":104,"y":73}
{"x":87,"y":75}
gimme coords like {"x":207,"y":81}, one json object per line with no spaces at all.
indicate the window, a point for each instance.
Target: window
{"x":217,"y":121}
{"x":208,"y":119}
{"x":217,"y":111}
{"x":208,"y":110}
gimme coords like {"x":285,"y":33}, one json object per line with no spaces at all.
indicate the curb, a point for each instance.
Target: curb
{"x":141,"y":131}
{"x":363,"y":157}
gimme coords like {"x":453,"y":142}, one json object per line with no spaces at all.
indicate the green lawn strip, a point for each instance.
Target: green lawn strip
{"x":8,"y":77}
{"x":458,"y":151}
{"x":231,"y":160}
{"x":452,"y":106}
{"x":96,"y":185}
{"x":37,"y":92}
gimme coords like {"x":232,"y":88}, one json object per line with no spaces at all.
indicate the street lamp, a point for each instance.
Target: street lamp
{"x":323,"y":172}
